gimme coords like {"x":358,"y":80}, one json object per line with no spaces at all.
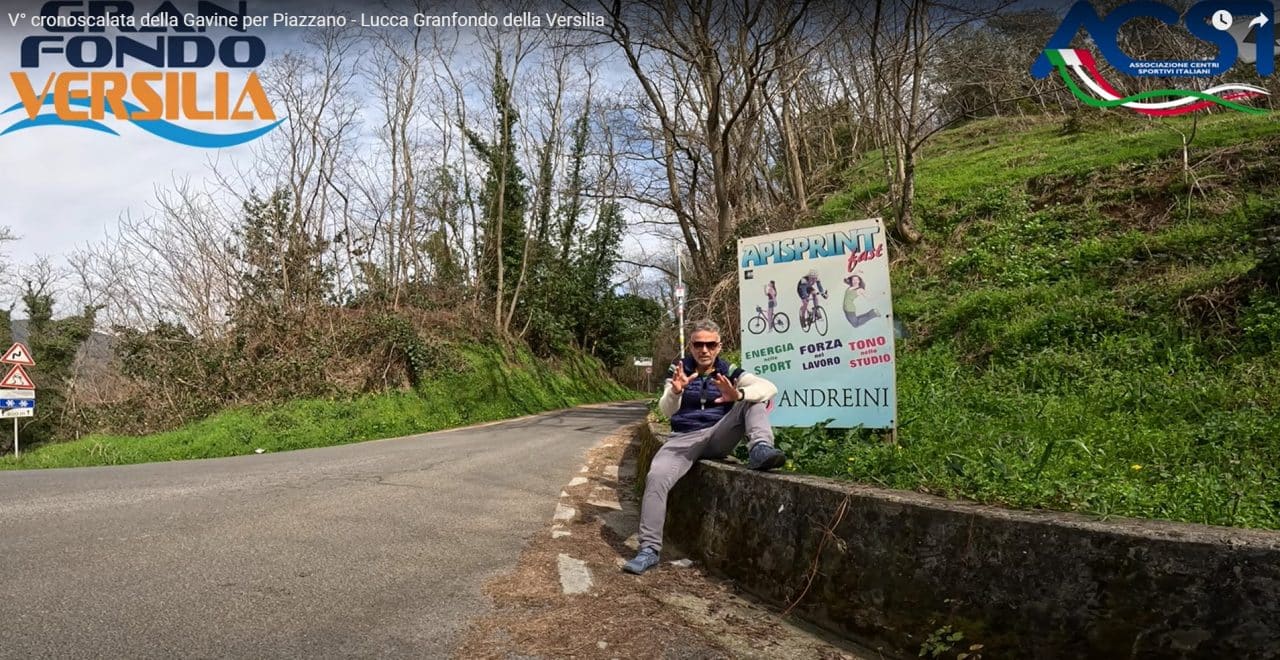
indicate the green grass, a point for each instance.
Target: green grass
{"x":996,"y":153}
{"x":1089,"y":332}
{"x":1055,"y":432}
{"x":492,"y":387}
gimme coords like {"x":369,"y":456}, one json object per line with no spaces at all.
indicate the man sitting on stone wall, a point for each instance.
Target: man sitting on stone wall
{"x":712,"y":406}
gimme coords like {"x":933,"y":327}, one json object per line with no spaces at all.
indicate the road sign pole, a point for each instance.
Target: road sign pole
{"x":17,"y":385}
{"x":680,"y":300}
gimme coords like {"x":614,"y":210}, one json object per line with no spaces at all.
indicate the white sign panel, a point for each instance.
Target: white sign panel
{"x":817,"y":320}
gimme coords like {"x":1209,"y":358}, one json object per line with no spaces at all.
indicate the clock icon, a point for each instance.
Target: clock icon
{"x":1222,"y":19}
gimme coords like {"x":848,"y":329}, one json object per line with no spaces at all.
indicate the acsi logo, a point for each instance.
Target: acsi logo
{"x":156,"y":96}
{"x":1241,"y":30}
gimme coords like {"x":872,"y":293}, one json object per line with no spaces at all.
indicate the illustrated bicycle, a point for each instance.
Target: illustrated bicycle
{"x":816,"y":319}
{"x":760,"y":322}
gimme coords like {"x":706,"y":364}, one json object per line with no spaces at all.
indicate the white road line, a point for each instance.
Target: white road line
{"x":574,"y":576}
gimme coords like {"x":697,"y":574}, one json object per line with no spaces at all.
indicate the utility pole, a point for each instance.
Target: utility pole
{"x":680,"y":301}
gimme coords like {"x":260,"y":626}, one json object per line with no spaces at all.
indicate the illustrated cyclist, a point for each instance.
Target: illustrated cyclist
{"x":808,"y":288}
{"x":771,"y":292}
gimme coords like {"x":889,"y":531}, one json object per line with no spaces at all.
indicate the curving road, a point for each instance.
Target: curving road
{"x":378,"y":548}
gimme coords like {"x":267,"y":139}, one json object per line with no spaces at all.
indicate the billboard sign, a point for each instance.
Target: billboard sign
{"x":817,"y":321}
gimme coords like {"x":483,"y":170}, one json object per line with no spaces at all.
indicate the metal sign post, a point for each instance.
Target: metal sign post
{"x":680,"y":302}
{"x":647,"y":363}
{"x":18,"y":396}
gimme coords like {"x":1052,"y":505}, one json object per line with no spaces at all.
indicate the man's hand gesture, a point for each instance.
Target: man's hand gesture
{"x":728,"y":392}
{"x":679,"y":379}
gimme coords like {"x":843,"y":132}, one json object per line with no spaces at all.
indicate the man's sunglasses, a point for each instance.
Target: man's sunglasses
{"x":709,"y":345}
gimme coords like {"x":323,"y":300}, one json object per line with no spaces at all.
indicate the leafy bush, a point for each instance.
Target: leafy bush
{"x":1260,"y":324}
{"x":491,"y":386}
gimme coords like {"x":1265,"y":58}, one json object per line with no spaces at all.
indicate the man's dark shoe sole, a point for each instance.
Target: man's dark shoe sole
{"x":775,"y":461}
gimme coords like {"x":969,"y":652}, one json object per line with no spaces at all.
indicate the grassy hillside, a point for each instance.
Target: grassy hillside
{"x":1093,"y":328}
{"x":487,"y":385}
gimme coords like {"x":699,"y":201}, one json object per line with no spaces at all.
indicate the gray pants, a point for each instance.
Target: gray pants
{"x":856,"y":320}
{"x":680,"y":451}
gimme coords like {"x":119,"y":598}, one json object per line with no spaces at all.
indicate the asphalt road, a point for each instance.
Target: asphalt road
{"x":371,"y":549}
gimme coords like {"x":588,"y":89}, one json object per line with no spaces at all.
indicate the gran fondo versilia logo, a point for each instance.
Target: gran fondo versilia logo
{"x":178,"y":71}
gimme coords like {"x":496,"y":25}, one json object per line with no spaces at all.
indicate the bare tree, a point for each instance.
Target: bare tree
{"x":395,"y":70}
{"x":312,"y":88}
{"x":702,"y":67}
{"x":890,"y":50}
{"x":172,"y":265}
{"x":505,"y":220}
{"x":6,"y":236}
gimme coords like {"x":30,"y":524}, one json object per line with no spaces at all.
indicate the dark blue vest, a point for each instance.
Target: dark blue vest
{"x":698,"y":407}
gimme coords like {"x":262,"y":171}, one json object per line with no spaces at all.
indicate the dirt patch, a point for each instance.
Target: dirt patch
{"x":671,"y":612}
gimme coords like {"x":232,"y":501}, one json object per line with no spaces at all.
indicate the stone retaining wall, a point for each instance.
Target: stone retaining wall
{"x":899,"y":568}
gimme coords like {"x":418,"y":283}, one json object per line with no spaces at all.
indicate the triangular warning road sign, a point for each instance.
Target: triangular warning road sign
{"x":17,"y":379}
{"x":18,"y":354}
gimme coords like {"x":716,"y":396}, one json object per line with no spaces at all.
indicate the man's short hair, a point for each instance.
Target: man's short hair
{"x":704,"y":325}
